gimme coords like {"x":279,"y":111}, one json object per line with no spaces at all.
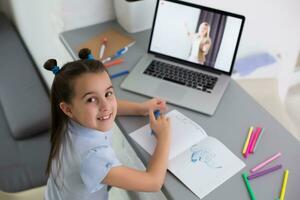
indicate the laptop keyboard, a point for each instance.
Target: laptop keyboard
{"x":182,"y":76}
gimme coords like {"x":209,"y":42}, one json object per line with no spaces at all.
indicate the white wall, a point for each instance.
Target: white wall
{"x":170,"y":31}
{"x":40,"y":22}
{"x":79,"y":13}
{"x":270,"y":25}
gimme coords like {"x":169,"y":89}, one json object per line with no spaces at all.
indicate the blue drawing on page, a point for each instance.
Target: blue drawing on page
{"x":205,"y":156}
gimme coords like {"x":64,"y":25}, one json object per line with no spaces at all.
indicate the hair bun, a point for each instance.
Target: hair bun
{"x":84,"y":53}
{"x":50,"y":64}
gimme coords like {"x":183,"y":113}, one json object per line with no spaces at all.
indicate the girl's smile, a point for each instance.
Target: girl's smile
{"x":94,"y":104}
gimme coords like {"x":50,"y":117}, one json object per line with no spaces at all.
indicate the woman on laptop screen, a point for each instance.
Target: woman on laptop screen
{"x":201,"y":43}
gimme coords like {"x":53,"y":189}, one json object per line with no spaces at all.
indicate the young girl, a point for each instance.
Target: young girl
{"x":82,"y":163}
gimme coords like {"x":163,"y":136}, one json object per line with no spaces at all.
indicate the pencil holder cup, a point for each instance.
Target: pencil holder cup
{"x":135,"y":15}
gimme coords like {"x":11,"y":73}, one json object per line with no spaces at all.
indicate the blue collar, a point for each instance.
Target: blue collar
{"x":78,"y":129}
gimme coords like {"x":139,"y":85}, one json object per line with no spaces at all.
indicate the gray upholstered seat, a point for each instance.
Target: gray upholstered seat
{"x":24,"y":115}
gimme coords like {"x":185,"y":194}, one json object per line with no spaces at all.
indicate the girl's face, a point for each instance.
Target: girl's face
{"x":94,"y":104}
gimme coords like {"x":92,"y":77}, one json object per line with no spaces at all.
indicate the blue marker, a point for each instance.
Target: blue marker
{"x":156,"y":115}
{"x":118,"y":53}
{"x":119,"y":74}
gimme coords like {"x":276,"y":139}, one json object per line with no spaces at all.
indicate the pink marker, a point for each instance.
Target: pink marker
{"x":250,"y":143}
{"x":257,"y":132}
{"x":264,"y":163}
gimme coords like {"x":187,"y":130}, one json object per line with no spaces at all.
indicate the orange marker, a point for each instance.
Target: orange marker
{"x":114,"y":62}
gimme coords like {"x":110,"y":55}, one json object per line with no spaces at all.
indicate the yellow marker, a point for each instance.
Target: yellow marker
{"x":285,"y":179}
{"x":247,"y":140}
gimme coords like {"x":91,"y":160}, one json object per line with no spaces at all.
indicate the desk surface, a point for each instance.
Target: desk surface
{"x":236,"y":112}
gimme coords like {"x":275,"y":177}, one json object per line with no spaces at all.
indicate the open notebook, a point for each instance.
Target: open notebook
{"x":201,"y":162}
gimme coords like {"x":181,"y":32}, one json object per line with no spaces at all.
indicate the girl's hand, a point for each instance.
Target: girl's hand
{"x":161,"y":126}
{"x":153,"y":104}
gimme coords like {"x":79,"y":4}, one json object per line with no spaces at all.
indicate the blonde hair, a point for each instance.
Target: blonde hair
{"x":204,"y":41}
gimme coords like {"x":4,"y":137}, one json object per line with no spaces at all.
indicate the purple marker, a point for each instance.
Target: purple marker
{"x":266,"y":171}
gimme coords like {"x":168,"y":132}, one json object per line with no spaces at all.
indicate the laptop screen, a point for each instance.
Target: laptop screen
{"x":206,"y":37}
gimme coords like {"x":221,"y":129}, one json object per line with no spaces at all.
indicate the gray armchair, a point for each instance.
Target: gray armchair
{"x":24,"y":115}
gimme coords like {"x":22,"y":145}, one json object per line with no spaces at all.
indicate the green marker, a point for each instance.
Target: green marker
{"x":251,"y":193}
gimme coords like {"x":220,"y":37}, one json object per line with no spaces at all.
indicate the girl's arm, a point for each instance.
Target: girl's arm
{"x":153,"y":178}
{"x":133,"y":108}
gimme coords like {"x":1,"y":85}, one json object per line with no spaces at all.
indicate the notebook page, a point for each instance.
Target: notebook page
{"x":205,"y":166}
{"x":185,"y":133}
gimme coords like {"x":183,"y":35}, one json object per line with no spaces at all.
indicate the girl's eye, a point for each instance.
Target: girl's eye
{"x":90,"y":100}
{"x":109,"y":93}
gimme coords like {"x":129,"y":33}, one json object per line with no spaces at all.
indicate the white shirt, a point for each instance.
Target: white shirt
{"x":86,"y":157}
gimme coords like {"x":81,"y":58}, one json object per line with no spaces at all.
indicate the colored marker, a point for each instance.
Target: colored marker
{"x":258,"y":140}
{"x":247,"y":140}
{"x":102,"y":47}
{"x":156,"y":115}
{"x":119,"y":74}
{"x":250,"y":143}
{"x":283,"y":188}
{"x":250,"y":191}
{"x":114,"y":62}
{"x":264,"y":163}
{"x":264,"y":172}
{"x":117,"y":54}
{"x":257,"y":132}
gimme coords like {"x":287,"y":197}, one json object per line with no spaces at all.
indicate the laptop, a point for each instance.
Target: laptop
{"x":190,"y":56}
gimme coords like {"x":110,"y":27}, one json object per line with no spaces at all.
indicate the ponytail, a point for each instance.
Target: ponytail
{"x":62,"y":90}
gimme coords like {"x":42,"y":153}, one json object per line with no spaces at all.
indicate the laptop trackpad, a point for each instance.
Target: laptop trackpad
{"x":170,"y":92}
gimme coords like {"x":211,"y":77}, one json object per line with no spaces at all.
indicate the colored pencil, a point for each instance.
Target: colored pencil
{"x":283,"y":188}
{"x":264,"y":172}
{"x":259,"y":138}
{"x":114,"y":62}
{"x":264,"y":163}
{"x":250,"y":143}
{"x":119,"y":74}
{"x":247,"y":140}
{"x":257,"y":132}
{"x":250,"y":191}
